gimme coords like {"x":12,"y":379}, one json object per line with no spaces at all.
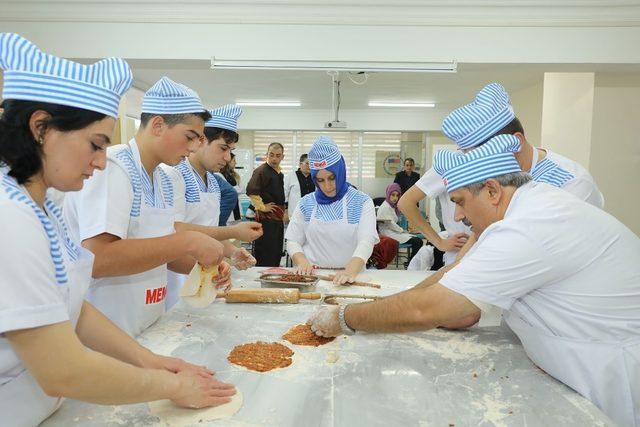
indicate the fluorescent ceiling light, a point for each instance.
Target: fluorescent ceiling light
{"x":276,"y":64}
{"x":401,"y":104}
{"x":269,"y":103}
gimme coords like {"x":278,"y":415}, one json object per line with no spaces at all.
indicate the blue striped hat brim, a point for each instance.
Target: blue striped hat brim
{"x":492,"y":159}
{"x":157,"y":105}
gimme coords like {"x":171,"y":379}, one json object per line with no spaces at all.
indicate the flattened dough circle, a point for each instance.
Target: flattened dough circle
{"x":176,"y":416}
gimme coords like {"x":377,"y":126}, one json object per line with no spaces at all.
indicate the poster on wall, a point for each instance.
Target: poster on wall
{"x":388,"y":163}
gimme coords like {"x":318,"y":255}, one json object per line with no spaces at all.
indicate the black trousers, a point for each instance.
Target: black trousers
{"x":416,"y":243}
{"x":438,"y":261}
{"x":267,"y":250}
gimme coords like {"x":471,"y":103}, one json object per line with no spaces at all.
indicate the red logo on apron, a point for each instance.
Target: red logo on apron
{"x":156,"y":295}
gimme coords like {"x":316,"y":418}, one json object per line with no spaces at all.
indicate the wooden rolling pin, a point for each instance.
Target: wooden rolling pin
{"x":273,"y":296}
{"x":356,"y":283}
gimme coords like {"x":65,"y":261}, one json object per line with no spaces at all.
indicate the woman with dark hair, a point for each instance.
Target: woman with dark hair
{"x":57,"y":121}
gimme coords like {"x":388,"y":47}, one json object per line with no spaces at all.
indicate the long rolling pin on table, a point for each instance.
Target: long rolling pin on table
{"x":274,"y":296}
{"x":279,"y":296}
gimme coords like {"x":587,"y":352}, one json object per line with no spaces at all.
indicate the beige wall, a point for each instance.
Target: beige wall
{"x":615,"y":147}
{"x":567,"y":112}
{"x":527,"y":104}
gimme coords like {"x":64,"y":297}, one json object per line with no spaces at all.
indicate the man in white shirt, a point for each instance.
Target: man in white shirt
{"x":125,"y":214}
{"x":574,"y":309}
{"x":298,"y":184}
{"x":470,"y":126}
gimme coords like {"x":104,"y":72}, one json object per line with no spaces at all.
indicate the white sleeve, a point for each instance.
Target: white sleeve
{"x":293,"y":248}
{"x":367,"y":233}
{"x":179,"y":190}
{"x":104,"y":203}
{"x":287,"y":187}
{"x":385,"y":212}
{"x":504,"y":266}
{"x":586,"y":190}
{"x":30,"y":294}
{"x":295,"y":229}
{"x":431,"y":184}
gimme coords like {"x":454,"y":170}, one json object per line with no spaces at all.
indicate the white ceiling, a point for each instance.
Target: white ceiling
{"x":313,"y":88}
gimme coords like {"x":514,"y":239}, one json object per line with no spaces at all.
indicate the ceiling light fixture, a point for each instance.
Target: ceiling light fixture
{"x":401,"y":104}
{"x":371,"y":66}
{"x":269,"y":103}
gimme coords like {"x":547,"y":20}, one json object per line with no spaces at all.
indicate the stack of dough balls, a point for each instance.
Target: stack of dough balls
{"x":198,"y":289}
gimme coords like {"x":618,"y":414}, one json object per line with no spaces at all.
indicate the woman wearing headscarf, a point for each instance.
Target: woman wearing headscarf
{"x":335,"y":226}
{"x":388,"y":221}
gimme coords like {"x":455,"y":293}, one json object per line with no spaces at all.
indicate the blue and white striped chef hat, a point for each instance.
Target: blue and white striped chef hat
{"x":472,"y":124}
{"x":323,"y":153}
{"x":169,"y":97}
{"x":225,"y":117}
{"x":492,"y":159}
{"x":32,"y":75}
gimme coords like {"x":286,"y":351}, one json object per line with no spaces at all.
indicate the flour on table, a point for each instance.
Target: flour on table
{"x":176,"y":416}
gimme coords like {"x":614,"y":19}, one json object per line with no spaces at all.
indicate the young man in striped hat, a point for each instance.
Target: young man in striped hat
{"x":574,"y":311}
{"x":126,"y":213}
{"x":470,"y":126}
{"x":198,"y":191}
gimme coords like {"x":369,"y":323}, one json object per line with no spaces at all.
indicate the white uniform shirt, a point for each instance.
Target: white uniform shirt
{"x":32,"y":293}
{"x":125,"y":202}
{"x":563,"y":265}
{"x":291,"y":192}
{"x":567,"y":275}
{"x":390,"y":227}
{"x":432,"y":185}
{"x":323,"y":233}
{"x":188,"y":201}
{"x":103,"y":205}
{"x":564,"y":173}
{"x":107,"y":201}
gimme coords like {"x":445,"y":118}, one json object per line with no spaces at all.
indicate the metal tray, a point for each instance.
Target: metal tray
{"x":275,"y":280}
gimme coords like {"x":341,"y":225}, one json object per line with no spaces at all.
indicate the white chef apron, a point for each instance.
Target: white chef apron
{"x":605,"y":372}
{"x":136,"y":301}
{"x":331,"y":244}
{"x":22,"y":397}
{"x":205,"y":212}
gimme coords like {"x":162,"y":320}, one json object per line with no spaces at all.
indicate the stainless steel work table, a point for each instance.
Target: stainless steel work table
{"x":476,"y":377}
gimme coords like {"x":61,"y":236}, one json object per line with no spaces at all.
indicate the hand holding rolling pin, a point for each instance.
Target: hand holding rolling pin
{"x":305,"y":268}
{"x":344,"y":277}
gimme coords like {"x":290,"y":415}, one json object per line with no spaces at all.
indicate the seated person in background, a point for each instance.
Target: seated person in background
{"x":383,"y":253}
{"x":335,"y":226}
{"x":388,"y":213}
